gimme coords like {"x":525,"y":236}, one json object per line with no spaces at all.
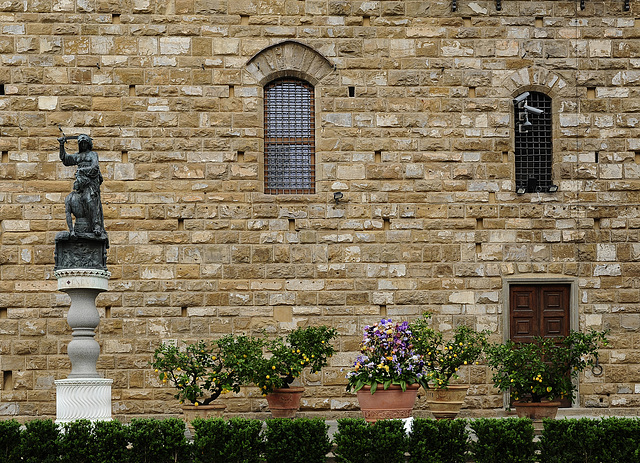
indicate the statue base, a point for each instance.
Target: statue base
{"x":82,"y":250}
{"x":83,"y":399}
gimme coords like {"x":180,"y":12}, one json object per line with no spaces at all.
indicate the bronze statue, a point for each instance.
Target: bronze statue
{"x":84,"y":201}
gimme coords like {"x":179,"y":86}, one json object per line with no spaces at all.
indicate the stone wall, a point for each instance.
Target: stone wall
{"x":171,"y":93}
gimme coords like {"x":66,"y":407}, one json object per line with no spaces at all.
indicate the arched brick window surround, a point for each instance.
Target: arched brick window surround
{"x":289,"y":59}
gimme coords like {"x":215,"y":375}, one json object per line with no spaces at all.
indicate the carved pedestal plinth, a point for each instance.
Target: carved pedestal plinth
{"x":84,"y":394}
{"x":88,"y":399}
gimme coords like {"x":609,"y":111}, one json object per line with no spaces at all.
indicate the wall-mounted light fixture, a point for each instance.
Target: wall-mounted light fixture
{"x":521,"y":190}
{"x":337,"y":196}
{"x":553,"y":188}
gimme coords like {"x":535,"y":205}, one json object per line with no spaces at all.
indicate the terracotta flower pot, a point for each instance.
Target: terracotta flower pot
{"x":285,"y":402}
{"x":201,"y":411}
{"x":392,"y":403}
{"x":537,"y":410}
{"x":446,"y":403}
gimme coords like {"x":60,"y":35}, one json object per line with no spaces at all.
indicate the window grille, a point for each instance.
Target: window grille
{"x":533,"y":144}
{"x":289,"y":162}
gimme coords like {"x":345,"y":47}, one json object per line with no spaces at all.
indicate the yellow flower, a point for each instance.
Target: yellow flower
{"x":273,"y":367}
{"x":178,"y":369}
{"x":549,"y":388}
{"x":267,"y":376}
{"x":196,"y":404}
{"x":465,"y":362}
{"x":156,"y":370}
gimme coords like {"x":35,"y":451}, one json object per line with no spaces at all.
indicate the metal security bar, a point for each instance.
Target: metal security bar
{"x":533,"y":143}
{"x":289,"y":162}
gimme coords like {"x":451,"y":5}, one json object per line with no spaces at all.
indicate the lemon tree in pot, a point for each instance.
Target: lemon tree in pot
{"x":199,"y":374}
{"x":282,"y":360}
{"x":539,"y":373}
{"x":388,"y":372}
{"x":444,"y":355}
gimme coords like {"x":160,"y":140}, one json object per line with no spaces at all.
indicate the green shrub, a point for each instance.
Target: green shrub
{"x":39,"y":442}
{"x":352,"y":440}
{"x":9,"y":441}
{"x":438,"y":441}
{"x":389,"y":442}
{"x":507,"y":440}
{"x":111,"y":441}
{"x":581,"y":440}
{"x":235,"y":441}
{"x":621,"y":437}
{"x":158,"y":441}
{"x":302,"y":440}
{"x":76,"y":443}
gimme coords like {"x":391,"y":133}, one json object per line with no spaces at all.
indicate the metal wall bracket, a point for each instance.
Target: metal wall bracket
{"x":627,"y":7}
{"x":454,"y":5}
{"x":582,"y":4}
{"x":498,"y":5}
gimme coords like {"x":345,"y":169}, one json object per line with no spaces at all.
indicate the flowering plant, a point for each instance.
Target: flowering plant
{"x":545,"y":368}
{"x":198,"y":372}
{"x":283,"y":360}
{"x":444,"y":357}
{"x":387,"y":357}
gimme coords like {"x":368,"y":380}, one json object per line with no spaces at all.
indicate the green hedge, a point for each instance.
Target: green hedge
{"x":509,"y":440}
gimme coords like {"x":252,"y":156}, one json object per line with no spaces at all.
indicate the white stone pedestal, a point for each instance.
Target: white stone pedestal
{"x":88,"y":399}
{"x":84,"y":394}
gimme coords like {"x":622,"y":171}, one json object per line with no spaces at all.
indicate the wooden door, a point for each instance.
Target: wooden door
{"x":539,"y":310}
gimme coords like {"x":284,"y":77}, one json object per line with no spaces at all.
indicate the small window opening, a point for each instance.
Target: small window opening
{"x":533,"y":142}
{"x":289,"y":139}
{"x":240,"y":156}
{"x":591,"y":93}
{"x":1,"y":89}
{"x":292,"y":225}
{"x":125,"y":156}
{"x":472,"y":92}
{"x":132,"y":90}
{"x":637,"y":157}
{"x":352,"y":92}
{"x":539,"y":22}
{"x":115,"y":18}
{"x":180,"y":224}
{"x":383,"y":310}
{"x":478,"y":248}
{"x":386,"y":224}
{"x":7,"y":380}
{"x":596,"y":223}
{"x":366,"y":21}
{"x":107,"y":312}
{"x":183,"y":311}
{"x":3,"y":312}
{"x":479,"y":224}
{"x":5,"y":156}
{"x":232,"y":91}
{"x":378,"y":156}
{"x":596,"y":157}
{"x":244,"y":20}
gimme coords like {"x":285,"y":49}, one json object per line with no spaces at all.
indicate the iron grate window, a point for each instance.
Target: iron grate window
{"x":533,"y":144}
{"x":289,"y":164}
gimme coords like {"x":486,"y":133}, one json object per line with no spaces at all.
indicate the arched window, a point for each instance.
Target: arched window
{"x":533,"y":143}
{"x":289,"y":137}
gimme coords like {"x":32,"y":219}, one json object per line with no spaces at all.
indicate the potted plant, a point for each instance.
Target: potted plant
{"x":539,"y":373}
{"x":275,"y":367}
{"x":200,"y":375}
{"x":443,"y":357}
{"x":388,"y":372}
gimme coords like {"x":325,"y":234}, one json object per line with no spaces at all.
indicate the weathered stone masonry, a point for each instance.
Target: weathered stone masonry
{"x":171,"y":93}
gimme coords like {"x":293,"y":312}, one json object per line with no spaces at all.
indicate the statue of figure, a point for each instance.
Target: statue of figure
{"x":84,"y":201}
